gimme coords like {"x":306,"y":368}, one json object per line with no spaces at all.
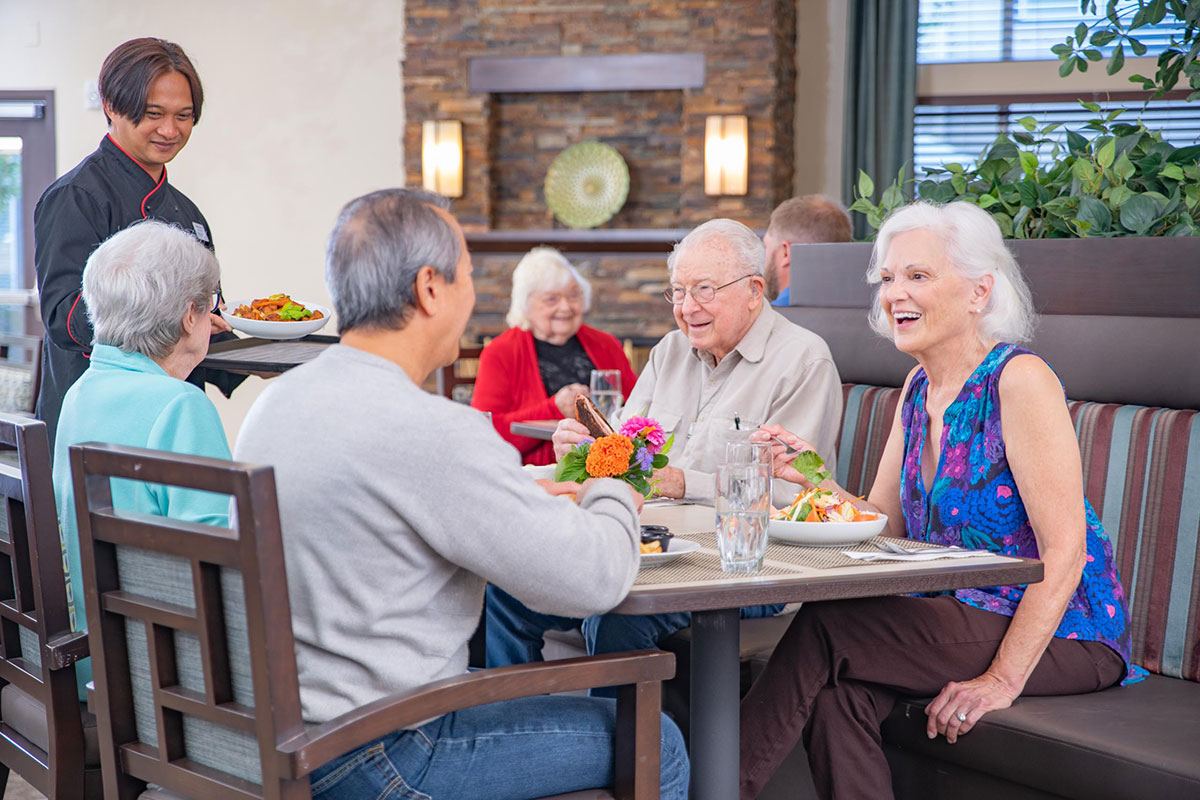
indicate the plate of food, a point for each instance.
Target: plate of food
{"x":824,"y":517}
{"x":277,"y":316}
{"x":675,"y":549}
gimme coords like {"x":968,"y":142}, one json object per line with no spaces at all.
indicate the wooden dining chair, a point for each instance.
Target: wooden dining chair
{"x":46,"y":735}
{"x":196,"y":685}
{"x":20,"y":372}
{"x":456,"y":381}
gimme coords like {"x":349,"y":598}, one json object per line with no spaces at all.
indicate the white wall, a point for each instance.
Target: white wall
{"x":303,"y":111}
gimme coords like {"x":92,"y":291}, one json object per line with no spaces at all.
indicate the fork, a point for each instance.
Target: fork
{"x":900,"y":550}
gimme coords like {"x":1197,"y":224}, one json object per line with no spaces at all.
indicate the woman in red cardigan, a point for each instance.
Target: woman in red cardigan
{"x":535,"y":368}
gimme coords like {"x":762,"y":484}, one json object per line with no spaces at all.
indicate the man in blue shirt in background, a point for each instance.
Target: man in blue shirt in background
{"x":808,"y":219}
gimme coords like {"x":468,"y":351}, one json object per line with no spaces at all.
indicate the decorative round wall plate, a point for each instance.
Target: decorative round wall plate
{"x":587,"y":184}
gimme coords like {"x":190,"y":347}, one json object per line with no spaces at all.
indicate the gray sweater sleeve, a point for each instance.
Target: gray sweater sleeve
{"x":491,"y":518}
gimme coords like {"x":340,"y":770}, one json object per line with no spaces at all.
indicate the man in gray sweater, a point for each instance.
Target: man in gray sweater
{"x":397,"y":506}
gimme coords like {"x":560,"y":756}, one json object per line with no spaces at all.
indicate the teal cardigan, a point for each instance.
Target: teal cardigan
{"x":126,"y":398}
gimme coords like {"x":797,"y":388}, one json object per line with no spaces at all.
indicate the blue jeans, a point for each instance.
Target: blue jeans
{"x":514,"y":633}
{"x":514,"y":750}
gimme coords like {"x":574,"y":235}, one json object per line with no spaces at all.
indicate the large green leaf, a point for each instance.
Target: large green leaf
{"x":1029,"y":163}
{"x":1095,"y":213}
{"x":866,"y":186}
{"x":1139,"y":213}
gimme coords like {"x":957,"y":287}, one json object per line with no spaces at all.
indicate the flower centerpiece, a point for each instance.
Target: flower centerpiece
{"x":631,"y":455}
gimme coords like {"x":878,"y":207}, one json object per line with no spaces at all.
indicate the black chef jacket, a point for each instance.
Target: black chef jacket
{"x":105,"y":193}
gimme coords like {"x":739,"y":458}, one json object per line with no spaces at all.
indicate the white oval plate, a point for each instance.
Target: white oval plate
{"x":275,"y":330}
{"x":825,"y":533}
{"x":677,"y":548}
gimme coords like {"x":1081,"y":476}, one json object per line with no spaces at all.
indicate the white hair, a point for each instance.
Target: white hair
{"x":975,"y":247}
{"x":542,"y":269}
{"x":742,"y":243}
{"x":141,"y":282}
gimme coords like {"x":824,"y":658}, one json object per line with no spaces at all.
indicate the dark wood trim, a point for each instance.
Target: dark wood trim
{"x":602,"y":240}
{"x":323,"y":742}
{"x":608,"y":73}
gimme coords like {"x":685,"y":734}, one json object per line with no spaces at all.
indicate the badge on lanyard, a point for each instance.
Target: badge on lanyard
{"x":201,"y":234}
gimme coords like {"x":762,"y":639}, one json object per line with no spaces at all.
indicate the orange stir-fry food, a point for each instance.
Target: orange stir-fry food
{"x":276,"y":308}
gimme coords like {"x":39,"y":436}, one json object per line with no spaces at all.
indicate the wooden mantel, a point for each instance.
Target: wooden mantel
{"x":601,"y":240}
{"x":633,"y":71}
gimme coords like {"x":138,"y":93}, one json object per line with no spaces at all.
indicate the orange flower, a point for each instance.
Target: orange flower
{"x":609,"y":456}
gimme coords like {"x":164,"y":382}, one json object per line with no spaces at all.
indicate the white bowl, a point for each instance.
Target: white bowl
{"x":543,"y":472}
{"x":825,"y":533}
{"x":276,"y":330}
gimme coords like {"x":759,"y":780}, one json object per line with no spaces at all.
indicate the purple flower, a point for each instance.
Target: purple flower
{"x":644,"y":458}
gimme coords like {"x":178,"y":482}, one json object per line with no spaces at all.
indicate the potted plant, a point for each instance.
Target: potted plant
{"x":1123,"y":181}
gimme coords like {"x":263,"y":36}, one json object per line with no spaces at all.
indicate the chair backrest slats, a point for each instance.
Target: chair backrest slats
{"x":34,"y":612}
{"x":187,"y":617}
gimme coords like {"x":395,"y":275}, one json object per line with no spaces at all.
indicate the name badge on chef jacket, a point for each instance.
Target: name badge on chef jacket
{"x":201,"y":234}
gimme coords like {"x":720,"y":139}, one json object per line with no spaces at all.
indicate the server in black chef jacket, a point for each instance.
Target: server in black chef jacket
{"x":152,"y":97}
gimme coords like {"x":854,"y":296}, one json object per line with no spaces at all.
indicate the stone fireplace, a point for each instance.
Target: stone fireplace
{"x":510,"y":137}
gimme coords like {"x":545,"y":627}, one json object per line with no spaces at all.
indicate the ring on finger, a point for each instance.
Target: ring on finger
{"x":961,"y":717}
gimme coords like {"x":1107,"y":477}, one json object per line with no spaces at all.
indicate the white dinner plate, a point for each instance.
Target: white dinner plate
{"x":275,"y":330}
{"x":825,"y":533}
{"x":677,"y":548}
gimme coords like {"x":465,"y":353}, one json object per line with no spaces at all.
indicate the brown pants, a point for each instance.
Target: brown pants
{"x":840,"y":667}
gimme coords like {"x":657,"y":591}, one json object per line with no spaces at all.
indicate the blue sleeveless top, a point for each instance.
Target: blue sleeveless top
{"x":975,"y":503}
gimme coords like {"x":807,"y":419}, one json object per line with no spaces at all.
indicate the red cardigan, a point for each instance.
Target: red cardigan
{"x":509,"y":384}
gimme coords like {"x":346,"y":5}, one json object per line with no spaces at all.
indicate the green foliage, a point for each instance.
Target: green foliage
{"x":1123,"y":181}
{"x":1120,"y":21}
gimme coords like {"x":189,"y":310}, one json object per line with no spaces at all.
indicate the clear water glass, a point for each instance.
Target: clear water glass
{"x":605,"y":392}
{"x":743,"y":503}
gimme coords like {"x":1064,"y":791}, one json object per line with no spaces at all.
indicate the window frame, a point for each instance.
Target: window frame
{"x":38,"y":170}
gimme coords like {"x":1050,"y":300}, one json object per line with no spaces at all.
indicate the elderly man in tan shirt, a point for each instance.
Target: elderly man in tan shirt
{"x":732,"y":355}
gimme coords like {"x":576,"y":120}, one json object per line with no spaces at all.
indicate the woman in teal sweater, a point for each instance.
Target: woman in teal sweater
{"x":148,"y":291}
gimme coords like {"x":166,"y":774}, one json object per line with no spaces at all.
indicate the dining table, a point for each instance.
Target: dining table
{"x":695,"y":582}
{"x":535,"y":428}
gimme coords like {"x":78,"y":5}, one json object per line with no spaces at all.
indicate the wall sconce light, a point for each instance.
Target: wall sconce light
{"x":442,"y":157}
{"x":726,"y":154}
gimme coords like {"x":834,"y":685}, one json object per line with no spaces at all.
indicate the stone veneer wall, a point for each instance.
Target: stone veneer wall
{"x":509,"y":140}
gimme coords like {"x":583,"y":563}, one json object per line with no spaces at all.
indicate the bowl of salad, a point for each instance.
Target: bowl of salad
{"x":277,"y":316}
{"x":822,"y":516}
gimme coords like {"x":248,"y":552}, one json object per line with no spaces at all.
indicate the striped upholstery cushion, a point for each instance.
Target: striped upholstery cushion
{"x":866,"y":421}
{"x":1141,"y":471}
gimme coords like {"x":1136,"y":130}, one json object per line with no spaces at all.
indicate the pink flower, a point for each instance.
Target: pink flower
{"x":1072,"y":635}
{"x":1112,"y":611}
{"x":1003,"y":491}
{"x":647,"y":429}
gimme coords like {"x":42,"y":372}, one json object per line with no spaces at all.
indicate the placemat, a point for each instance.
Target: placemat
{"x":809,"y":557}
{"x":702,"y":566}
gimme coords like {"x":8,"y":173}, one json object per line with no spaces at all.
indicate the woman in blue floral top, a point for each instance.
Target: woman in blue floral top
{"x":982,"y":453}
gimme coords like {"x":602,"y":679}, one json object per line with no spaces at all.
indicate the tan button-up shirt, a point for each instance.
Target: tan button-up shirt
{"x":780,"y":373}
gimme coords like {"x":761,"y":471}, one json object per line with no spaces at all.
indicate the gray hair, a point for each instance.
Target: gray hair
{"x":542,"y":269}
{"x":976,"y":248}
{"x":141,"y":282}
{"x":739,"y":241}
{"x":378,"y":245}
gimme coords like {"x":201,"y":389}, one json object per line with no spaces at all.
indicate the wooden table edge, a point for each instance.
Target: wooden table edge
{"x":832,"y":586}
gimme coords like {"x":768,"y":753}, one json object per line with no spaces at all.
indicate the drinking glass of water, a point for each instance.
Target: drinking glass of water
{"x":605,"y":392}
{"x":743,"y":503}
